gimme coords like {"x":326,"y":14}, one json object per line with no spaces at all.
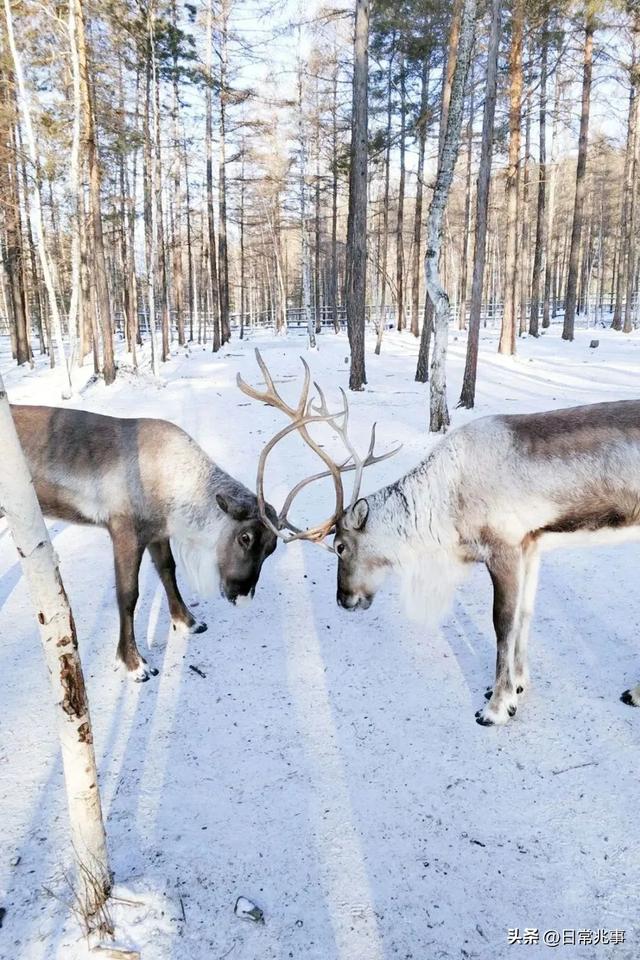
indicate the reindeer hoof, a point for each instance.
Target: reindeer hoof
{"x":495,"y":714}
{"x":180,"y":626}
{"x":519,"y":689}
{"x":143,"y":672}
{"x":483,"y":720}
{"x":627,"y":697}
{"x":487,"y":695}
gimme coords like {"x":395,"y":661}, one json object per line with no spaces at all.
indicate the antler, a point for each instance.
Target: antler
{"x":354,"y":461}
{"x":300,"y":416}
{"x":304,"y":413}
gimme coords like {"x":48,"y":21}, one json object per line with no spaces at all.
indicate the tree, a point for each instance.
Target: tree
{"x":36,"y":206}
{"x":96,"y":246}
{"x":541,"y":220}
{"x":401,"y":188}
{"x":417,"y":220}
{"x":356,"y":265}
{"x":508,"y":332}
{"x":10,"y":191}
{"x":581,"y":170}
{"x":634,"y":136}
{"x":422,"y":366}
{"x":18,"y":502}
{"x":467,"y":396}
{"x":223,"y":257}
{"x":212,"y":286}
{"x":439,"y":413}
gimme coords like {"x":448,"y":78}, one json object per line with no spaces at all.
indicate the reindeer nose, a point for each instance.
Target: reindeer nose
{"x":346,"y":600}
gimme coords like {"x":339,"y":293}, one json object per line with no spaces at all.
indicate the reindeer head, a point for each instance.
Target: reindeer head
{"x":243,"y":546}
{"x":361,"y":569}
{"x":361,"y":565}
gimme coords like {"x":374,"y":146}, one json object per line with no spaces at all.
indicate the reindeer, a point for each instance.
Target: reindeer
{"x":152,"y":487}
{"x":499,"y":490}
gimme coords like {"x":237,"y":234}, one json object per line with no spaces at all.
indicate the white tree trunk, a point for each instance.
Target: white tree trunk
{"x":439,"y":413}
{"x":34,"y":205}
{"x":20,"y":505}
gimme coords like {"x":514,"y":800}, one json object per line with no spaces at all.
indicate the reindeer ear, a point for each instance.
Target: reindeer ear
{"x":234,"y":508}
{"x":359,"y":514}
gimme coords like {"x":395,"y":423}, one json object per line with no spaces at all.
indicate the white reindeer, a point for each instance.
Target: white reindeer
{"x":497,"y":491}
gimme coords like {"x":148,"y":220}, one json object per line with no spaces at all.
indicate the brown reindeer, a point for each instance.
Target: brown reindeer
{"x":151,"y":486}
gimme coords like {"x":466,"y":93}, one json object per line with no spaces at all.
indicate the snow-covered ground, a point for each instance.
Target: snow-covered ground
{"x":327,"y":765}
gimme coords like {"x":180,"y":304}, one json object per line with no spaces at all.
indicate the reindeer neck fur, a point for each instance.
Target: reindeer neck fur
{"x":198,"y":523}
{"x":413,"y":525}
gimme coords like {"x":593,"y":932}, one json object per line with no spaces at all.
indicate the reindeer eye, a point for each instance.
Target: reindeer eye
{"x":246,"y":539}
{"x":340,"y":549}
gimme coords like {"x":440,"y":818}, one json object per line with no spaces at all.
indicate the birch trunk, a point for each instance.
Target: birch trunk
{"x":19,"y":504}
{"x":422,"y":366}
{"x":439,"y":414}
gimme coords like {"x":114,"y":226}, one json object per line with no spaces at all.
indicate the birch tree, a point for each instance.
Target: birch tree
{"x":20,"y":505}
{"x":439,"y":413}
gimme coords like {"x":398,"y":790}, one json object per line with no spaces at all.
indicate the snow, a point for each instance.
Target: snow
{"x":325,"y":765}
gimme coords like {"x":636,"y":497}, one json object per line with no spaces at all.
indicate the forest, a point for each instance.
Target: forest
{"x":162,"y":182}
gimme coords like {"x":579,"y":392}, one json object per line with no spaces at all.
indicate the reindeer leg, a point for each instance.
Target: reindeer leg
{"x":506,"y":567}
{"x":529,"y":590}
{"x":531,"y":569}
{"x":128,"y":547}
{"x":165,"y":564}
